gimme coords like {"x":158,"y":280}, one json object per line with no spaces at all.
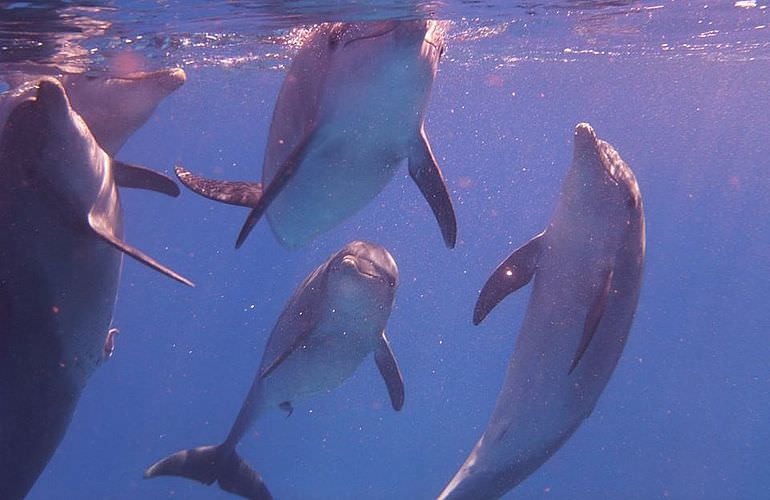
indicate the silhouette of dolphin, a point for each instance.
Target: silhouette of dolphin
{"x":587,"y":267}
{"x":61,"y":250}
{"x":335,"y":318}
{"x":351,"y":109}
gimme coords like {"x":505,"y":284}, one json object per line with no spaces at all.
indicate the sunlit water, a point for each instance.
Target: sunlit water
{"x":681,"y":89}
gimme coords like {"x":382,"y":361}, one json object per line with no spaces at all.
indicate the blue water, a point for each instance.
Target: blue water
{"x":687,"y":412}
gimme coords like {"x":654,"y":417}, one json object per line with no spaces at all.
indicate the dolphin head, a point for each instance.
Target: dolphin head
{"x":363,"y":273}
{"x":604,"y":176}
{"x":116,"y":105}
{"x":50,"y":147}
{"x":396,"y":34}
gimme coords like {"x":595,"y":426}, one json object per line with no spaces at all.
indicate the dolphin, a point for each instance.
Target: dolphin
{"x":61,"y":248}
{"x":334,"y":320}
{"x":587,"y":267}
{"x":115,"y":105}
{"x":350,"y":111}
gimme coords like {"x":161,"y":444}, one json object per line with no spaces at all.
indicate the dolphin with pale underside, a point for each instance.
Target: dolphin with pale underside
{"x":61,"y":248}
{"x":349,"y":113}
{"x":334,"y":320}
{"x":587,"y":270}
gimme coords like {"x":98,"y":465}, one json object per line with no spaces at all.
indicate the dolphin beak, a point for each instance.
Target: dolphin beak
{"x":361,"y":266}
{"x":171,"y":79}
{"x":585,"y":137}
{"x":167,"y":79}
{"x":51,"y":95}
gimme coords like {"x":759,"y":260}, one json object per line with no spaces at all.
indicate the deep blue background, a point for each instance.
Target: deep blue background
{"x":686,"y":414}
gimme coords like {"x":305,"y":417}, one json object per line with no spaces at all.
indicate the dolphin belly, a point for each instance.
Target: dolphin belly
{"x":320,"y":365}
{"x":338,"y":177}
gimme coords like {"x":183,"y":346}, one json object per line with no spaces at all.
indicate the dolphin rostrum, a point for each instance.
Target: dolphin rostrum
{"x":61,"y":227}
{"x":587,"y":267}
{"x":350,"y":111}
{"x":334,"y":320}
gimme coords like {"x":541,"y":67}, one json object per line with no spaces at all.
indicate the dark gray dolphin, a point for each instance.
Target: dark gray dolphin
{"x":60,"y":231}
{"x":350,"y":111}
{"x":587,"y":267}
{"x":334,"y":320}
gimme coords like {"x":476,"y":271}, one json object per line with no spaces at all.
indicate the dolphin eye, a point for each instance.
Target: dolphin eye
{"x":335,"y":37}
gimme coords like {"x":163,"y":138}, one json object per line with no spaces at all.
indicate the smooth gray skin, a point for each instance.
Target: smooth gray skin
{"x":334,"y":320}
{"x":115,"y":106}
{"x":587,"y":267}
{"x":60,"y":225}
{"x":348,"y":115}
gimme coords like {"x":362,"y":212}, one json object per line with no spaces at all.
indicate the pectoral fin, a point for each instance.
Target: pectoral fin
{"x":242,"y":194}
{"x":103,"y":228}
{"x":427,"y":175}
{"x":282,"y":177}
{"x":135,"y":176}
{"x":513,"y":273}
{"x":593,"y":317}
{"x":388,"y":367}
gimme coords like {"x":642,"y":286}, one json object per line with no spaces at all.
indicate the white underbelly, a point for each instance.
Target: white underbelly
{"x":320,"y":365}
{"x":341,"y":174}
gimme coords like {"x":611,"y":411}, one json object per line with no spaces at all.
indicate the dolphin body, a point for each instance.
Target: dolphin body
{"x":350,"y":110}
{"x":61,"y":251}
{"x":587,"y":267}
{"x":334,"y":320}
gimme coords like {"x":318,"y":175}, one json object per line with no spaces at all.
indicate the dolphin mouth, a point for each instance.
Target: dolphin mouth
{"x":353,"y":262}
{"x":373,"y":35}
{"x":368,"y":269}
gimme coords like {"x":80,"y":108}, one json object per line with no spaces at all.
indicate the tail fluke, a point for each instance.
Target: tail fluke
{"x":213,"y":463}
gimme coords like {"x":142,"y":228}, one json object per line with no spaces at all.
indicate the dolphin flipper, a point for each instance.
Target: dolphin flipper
{"x":388,"y":367}
{"x":593,"y":317}
{"x":427,"y":175}
{"x":240,"y":193}
{"x":513,"y":273}
{"x":135,"y":176}
{"x":207,"y":464}
{"x":102,"y":227}
{"x":282,"y":177}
